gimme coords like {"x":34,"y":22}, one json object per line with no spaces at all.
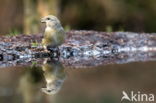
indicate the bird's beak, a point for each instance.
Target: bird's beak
{"x":43,"y":20}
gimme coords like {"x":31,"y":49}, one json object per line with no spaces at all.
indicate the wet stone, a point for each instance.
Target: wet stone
{"x":1,"y":57}
{"x":81,"y":48}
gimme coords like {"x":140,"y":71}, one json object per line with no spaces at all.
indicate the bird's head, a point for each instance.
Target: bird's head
{"x":50,"y":20}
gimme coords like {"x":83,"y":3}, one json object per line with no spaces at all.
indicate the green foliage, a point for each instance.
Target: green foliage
{"x":34,"y":63}
{"x":14,"y":32}
{"x":67,"y":28}
{"x":35,"y":43}
{"x":121,"y":29}
{"x":109,"y":28}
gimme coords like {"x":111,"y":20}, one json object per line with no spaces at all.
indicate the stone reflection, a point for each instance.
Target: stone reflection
{"x":54,"y":76}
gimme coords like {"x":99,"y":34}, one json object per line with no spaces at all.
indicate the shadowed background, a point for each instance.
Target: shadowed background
{"x":22,"y":16}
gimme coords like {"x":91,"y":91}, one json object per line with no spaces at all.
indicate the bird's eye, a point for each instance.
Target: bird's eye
{"x":48,"y":90}
{"x":48,"y":18}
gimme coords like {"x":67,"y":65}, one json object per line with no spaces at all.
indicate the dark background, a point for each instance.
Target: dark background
{"x":22,"y":16}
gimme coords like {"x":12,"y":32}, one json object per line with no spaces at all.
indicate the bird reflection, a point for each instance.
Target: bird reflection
{"x":30,"y":82}
{"x":54,"y":76}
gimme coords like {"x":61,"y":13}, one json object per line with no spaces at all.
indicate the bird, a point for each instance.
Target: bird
{"x":54,"y":34}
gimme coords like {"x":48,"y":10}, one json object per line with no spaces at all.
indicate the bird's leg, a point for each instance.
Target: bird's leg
{"x":54,"y":50}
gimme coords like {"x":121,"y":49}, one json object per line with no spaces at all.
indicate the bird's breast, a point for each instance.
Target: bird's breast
{"x":50,"y":30}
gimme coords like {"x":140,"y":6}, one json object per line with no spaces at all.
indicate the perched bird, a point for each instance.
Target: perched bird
{"x":54,"y":33}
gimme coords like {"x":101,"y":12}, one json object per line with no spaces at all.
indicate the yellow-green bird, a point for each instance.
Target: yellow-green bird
{"x":54,"y":33}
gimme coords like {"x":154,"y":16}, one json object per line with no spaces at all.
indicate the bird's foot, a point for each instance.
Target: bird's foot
{"x":54,"y":51}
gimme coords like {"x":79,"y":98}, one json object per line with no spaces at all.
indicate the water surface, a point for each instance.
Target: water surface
{"x":55,"y":83}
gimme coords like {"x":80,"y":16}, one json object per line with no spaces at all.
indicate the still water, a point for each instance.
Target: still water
{"x":53,"y":82}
